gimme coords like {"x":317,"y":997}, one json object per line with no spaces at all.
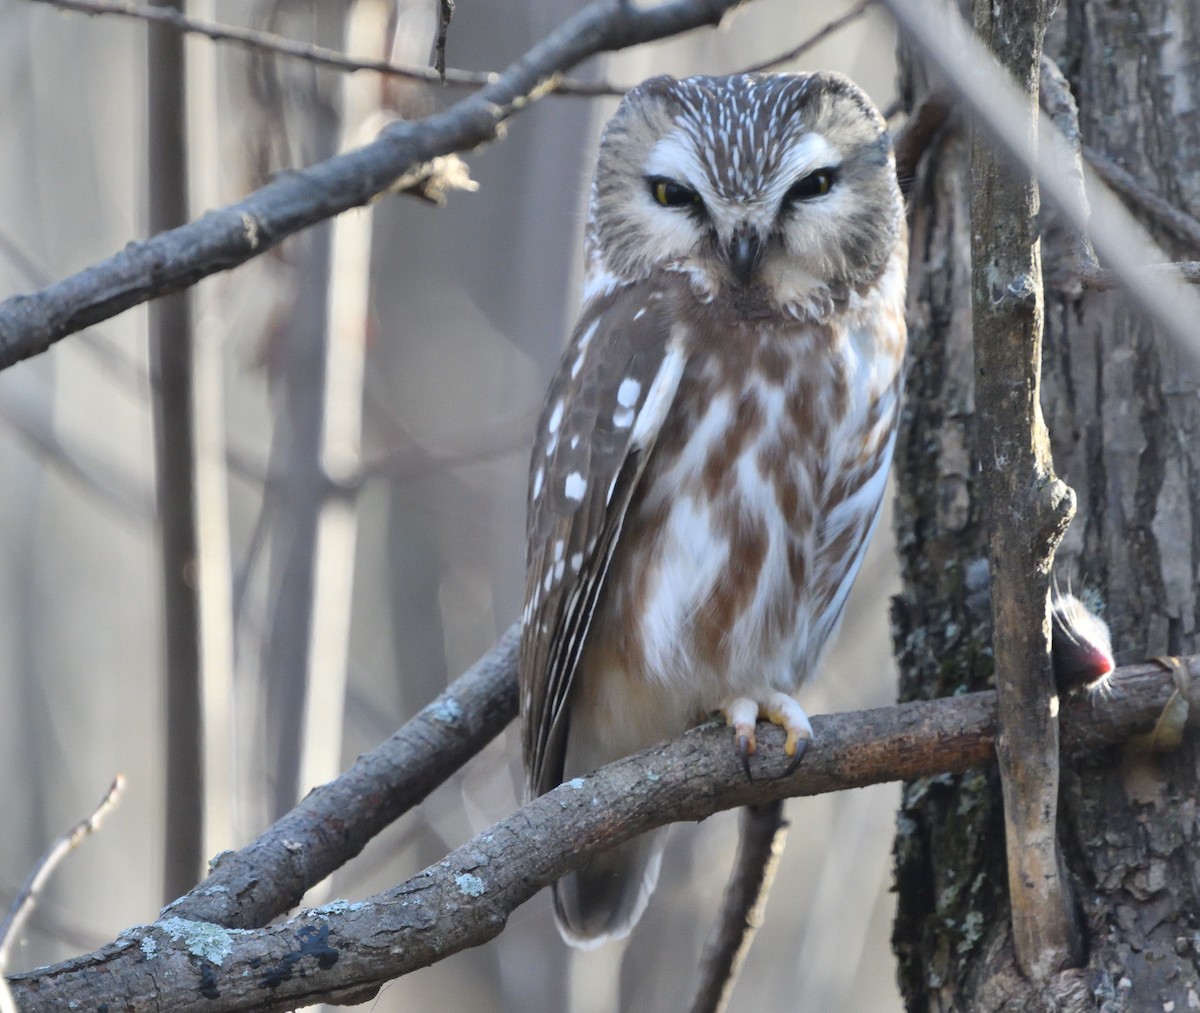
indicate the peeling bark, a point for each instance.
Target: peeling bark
{"x":1122,"y":409}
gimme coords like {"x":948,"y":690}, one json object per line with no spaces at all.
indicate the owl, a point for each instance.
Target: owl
{"x":711,"y":457}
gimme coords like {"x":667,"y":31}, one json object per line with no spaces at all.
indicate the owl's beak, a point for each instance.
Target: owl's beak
{"x":744,"y":252}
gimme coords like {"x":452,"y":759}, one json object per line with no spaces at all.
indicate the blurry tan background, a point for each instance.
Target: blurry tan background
{"x":468,"y":307}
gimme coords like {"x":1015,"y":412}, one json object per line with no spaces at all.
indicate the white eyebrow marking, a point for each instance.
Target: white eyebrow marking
{"x":575,"y":486}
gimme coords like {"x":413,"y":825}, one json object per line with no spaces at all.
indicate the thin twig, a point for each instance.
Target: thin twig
{"x":820,"y":35}
{"x":1100,"y":279}
{"x":761,"y":837}
{"x":445,"y":14}
{"x":26,"y":898}
{"x":438,"y":74}
{"x":346,"y":950}
{"x":321,"y":56}
{"x":1136,"y":193}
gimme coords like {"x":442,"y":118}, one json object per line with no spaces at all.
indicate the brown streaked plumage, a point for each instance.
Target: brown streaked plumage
{"x":711,"y":456}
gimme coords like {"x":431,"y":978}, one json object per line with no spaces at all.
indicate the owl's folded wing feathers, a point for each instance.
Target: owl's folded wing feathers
{"x":594,"y":439}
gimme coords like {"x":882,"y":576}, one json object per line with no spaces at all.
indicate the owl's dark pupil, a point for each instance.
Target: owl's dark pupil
{"x":671,"y":194}
{"x":816,"y":184}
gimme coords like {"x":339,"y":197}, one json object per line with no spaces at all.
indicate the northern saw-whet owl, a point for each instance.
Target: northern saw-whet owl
{"x":711,"y":458}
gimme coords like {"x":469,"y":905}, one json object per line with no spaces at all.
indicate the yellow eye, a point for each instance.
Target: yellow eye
{"x":816,"y":184}
{"x":670,"y":194}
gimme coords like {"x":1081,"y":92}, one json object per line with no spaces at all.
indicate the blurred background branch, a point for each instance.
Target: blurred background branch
{"x":223,"y":239}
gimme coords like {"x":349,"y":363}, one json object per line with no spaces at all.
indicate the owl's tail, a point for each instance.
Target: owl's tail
{"x":604,"y":899}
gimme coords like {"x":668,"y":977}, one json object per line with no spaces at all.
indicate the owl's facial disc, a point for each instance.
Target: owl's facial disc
{"x":743,"y":217}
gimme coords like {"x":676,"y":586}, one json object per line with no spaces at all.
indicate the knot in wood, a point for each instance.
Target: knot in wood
{"x":1019,"y":292}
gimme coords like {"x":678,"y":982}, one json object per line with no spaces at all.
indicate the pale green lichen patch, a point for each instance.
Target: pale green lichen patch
{"x":201,"y":939}
{"x":149,"y":947}
{"x":334,"y":907}
{"x":471,"y":885}
{"x":446,"y":711}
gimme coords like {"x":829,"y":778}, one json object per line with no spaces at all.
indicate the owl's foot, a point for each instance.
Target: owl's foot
{"x":778,"y":708}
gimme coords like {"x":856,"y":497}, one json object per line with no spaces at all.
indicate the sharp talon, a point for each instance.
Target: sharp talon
{"x":798,"y":751}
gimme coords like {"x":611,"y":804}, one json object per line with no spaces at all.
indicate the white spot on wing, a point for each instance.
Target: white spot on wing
{"x":623,"y":418}
{"x":555,"y":417}
{"x":627,"y":393}
{"x":558,"y":550}
{"x":576,"y":561}
{"x":575,"y":486}
{"x":585,"y":338}
{"x":538,"y":478}
{"x":660,"y":395}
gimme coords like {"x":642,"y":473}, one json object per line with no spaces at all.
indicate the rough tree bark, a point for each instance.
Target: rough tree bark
{"x":1121,"y":406}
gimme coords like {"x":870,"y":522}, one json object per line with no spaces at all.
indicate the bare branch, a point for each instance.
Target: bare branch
{"x":344,"y":951}
{"x":266,"y":42}
{"x":445,"y":13}
{"x":333,"y":823}
{"x":761,"y":837}
{"x":988,"y":94}
{"x":230,"y":236}
{"x":26,"y":898}
{"x":171,"y":337}
{"x":1026,"y":507}
{"x":820,"y":35}
{"x":1135,"y":192}
{"x":1099,"y":279}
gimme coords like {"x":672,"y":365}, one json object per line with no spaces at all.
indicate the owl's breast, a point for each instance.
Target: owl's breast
{"x":740,"y":547}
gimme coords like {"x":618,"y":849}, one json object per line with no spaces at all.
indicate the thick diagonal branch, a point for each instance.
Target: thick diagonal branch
{"x":333,"y":823}
{"x":344,"y":951}
{"x":230,"y":236}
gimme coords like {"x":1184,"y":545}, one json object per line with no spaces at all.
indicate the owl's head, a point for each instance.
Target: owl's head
{"x":782,"y":185}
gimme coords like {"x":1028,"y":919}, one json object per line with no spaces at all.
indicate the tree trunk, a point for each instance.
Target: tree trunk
{"x":1120,"y":402}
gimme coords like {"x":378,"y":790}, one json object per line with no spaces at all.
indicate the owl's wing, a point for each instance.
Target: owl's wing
{"x":603,"y":414}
